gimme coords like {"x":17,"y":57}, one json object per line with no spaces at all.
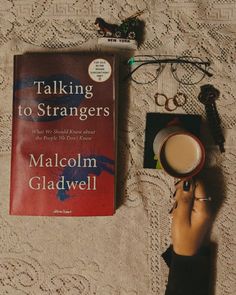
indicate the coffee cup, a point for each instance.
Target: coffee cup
{"x":180,"y":153}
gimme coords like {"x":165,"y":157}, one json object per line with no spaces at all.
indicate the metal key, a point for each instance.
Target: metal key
{"x":208,"y":96}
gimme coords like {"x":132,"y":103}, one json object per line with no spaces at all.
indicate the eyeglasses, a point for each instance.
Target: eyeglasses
{"x":186,"y":70}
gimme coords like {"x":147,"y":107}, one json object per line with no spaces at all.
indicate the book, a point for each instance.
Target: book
{"x":157,"y":121}
{"x":63,"y":135}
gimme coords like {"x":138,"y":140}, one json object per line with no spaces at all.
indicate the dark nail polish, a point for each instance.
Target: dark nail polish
{"x":186,"y":186}
{"x":173,"y":195}
{"x":171,"y":210}
{"x":176,"y":204}
{"x":174,"y":207}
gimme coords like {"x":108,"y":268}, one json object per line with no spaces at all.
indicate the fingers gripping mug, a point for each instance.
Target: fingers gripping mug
{"x":180,"y":153}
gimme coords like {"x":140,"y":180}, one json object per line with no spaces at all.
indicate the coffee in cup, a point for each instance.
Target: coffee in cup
{"x":179,"y":152}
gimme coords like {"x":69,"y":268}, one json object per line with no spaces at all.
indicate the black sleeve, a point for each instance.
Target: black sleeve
{"x":188,"y":275}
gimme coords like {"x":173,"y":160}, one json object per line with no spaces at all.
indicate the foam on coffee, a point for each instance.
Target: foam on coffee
{"x":182,"y":153}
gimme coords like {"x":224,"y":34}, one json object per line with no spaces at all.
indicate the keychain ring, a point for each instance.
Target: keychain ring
{"x":168,"y":107}
{"x":157,"y":100}
{"x":180,"y":99}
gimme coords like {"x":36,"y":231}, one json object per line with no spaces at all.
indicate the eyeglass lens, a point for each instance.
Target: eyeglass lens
{"x":188,"y":73}
{"x":145,"y":70}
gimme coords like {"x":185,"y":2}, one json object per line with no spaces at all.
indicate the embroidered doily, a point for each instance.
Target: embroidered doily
{"x":118,"y":255}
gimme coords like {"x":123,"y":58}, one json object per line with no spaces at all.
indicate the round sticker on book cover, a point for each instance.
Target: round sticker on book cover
{"x":99,"y":70}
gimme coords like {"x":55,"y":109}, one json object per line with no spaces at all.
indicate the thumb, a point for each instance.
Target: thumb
{"x":184,"y":198}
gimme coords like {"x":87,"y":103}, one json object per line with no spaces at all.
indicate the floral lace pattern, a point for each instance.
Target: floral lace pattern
{"x":118,"y":255}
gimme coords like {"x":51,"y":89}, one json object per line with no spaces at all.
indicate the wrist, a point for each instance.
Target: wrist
{"x":184,"y":251}
{"x":203,"y":250}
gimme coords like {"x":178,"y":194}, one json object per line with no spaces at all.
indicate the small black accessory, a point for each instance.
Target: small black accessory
{"x":208,"y":96}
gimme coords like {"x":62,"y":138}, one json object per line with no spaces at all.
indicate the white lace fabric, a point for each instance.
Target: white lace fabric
{"x":119,"y":255}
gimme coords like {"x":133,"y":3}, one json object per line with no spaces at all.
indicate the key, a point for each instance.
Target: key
{"x":208,"y":96}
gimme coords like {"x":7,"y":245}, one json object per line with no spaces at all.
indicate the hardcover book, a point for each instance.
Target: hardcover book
{"x":63,"y":138}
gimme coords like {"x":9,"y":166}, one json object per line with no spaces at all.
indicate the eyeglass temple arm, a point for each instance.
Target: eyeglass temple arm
{"x":203,"y":70}
{"x":196,"y":64}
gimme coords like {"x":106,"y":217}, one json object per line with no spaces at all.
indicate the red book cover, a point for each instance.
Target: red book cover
{"x":63,"y":138}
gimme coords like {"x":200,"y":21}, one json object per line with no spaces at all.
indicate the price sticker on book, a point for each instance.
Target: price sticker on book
{"x":99,"y":70}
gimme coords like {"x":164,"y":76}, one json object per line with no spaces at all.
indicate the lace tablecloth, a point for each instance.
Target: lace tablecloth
{"x":118,"y":255}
